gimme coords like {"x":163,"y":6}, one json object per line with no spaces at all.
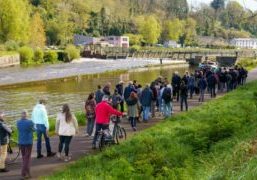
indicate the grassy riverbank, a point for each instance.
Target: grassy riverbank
{"x":214,"y":141}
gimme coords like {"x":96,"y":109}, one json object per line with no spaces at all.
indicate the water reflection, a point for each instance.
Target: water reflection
{"x":74,"y":91}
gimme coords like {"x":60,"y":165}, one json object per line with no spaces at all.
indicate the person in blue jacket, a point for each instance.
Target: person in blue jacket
{"x":146,"y":100}
{"x":25,"y":137}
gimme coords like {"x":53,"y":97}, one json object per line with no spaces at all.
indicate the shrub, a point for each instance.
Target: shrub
{"x":72,"y":52}
{"x":50,"y":56}
{"x":11,"y":45}
{"x":26,"y":55}
{"x":63,"y":56}
{"x":134,"y":48}
{"x":38,"y":55}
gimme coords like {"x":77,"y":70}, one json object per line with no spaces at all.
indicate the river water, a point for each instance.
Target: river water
{"x":73,"y":91}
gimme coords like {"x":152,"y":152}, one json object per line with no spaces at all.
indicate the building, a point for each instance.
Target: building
{"x":118,"y":41}
{"x":172,"y":44}
{"x":108,"y":41}
{"x":250,"y":43}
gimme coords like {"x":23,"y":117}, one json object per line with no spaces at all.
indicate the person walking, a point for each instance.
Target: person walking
{"x":99,"y":94}
{"x":90,"y":105}
{"x":133,"y":107}
{"x":119,"y":88}
{"x":167,"y":100}
{"x":107,"y":89}
{"x":103,"y":112}
{"x":145,"y":100}
{"x":40,"y":119}
{"x":212,"y":84}
{"x":25,"y":140}
{"x":175,"y":82}
{"x":154,"y":99}
{"x":191,"y":85}
{"x":130,"y":88}
{"x":183,"y":96}
{"x":66,"y":127}
{"x":5,"y":133}
{"x":202,"y":84}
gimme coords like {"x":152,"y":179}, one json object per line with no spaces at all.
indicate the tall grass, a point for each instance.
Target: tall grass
{"x":213,"y":141}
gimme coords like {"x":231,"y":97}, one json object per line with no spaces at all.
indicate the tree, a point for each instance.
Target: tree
{"x":177,"y":8}
{"x":233,"y":16}
{"x":134,"y":39}
{"x":218,"y":4}
{"x":14,"y":20}
{"x":37,"y":32}
{"x":189,"y":34}
{"x":149,"y":28}
{"x":172,"y":30}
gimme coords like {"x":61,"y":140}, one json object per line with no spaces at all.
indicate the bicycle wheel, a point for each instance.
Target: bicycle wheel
{"x":13,"y":152}
{"x":120,"y":134}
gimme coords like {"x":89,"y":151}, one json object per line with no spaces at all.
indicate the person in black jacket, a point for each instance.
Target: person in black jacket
{"x":5,"y":133}
{"x":119,"y":88}
{"x":176,"y":80}
{"x":183,"y":95}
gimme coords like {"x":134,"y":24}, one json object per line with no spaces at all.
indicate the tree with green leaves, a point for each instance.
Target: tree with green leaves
{"x":218,"y":4}
{"x":149,"y":28}
{"x":14,"y":20}
{"x":37,"y":32}
{"x":172,"y":29}
{"x":188,"y":37}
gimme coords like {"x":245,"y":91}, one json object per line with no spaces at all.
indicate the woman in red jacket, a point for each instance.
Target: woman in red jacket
{"x":103,"y":112}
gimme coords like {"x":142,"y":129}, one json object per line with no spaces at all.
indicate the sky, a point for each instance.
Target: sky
{"x":248,"y":4}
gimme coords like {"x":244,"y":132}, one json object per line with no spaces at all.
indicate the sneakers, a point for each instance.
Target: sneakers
{"x":58,"y":155}
{"x":40,"y":156}
{"x":134,"y":129}
{"x":67,"y":158}
{"x":51,"y":154}
{"x":4,"y":170}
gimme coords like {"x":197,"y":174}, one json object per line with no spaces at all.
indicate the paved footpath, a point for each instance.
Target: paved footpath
{"x":81,"y":145}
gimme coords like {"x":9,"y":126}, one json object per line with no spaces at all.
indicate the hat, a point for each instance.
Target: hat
{"x":121,"y":82}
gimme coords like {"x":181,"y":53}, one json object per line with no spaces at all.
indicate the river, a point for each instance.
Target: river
{"x":73,"y":91}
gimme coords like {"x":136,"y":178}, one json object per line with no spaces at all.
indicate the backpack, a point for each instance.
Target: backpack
{"x":166,"y":95}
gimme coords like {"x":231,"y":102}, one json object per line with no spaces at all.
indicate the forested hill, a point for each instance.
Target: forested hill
{"x":36,"y":22}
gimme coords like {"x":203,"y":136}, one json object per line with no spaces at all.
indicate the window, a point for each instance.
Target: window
{"x":111,"y":38}
{"x":124,"y":39}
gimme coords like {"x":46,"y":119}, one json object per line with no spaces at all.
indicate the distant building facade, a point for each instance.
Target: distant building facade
{"x":250,"y":43}
{"x":108,"y":41}
{"x":172,"y":44}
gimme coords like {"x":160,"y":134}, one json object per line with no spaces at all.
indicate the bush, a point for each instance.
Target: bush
{"x":50,"y":56}
{"x":11,"y":46}
{"x":63,"y":56}
{"x":135,"y":48}
{"x":26,"y":55}
{"x":39,"y":55}
{"x":72,"y":52}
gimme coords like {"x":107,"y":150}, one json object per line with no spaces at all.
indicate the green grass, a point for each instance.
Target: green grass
{"x":213,"y":141}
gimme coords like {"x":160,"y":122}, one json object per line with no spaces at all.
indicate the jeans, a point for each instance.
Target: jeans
{"x":202,"y":92}
{"x":26,"y":159}
{"x":146,"y":112}
{"x":183,"y":99}
{"x":167,"y":109}
{"x":122,"y":106}
{"x":98,"y":128}
{"x":212,"y":91}
{"x":133,"y":121}
{"x":65,"y":141}
{"x":160,"y":104}
{"x":90,"y":125}
{"x":191,"y":90}
{"x":3,"y":155}
{"x":41,"y":130}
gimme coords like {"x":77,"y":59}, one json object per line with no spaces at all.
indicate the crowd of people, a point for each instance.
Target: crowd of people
{"x":141,"y":104}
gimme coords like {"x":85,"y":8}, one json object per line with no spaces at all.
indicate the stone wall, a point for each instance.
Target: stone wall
{"x":9,"y":60}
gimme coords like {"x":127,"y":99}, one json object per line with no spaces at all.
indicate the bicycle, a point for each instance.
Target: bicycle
{"x":13,"y":152}
{"x":105,"y":138}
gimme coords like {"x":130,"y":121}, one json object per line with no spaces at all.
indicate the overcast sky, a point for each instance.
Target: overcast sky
{"x":249,"y":4}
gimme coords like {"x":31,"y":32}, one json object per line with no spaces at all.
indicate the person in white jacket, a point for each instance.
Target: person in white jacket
{"x":66,"y":127}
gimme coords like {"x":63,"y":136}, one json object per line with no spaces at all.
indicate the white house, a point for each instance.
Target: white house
{"x":250,"y":43}
{"x":110,"y":41}
{"x":118,"y":41}
{"x":172,"y":44}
